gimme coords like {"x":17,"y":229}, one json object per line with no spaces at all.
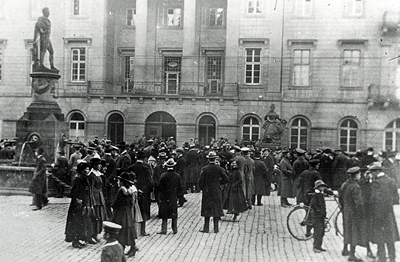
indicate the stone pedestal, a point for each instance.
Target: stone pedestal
{"x":43,"y":122}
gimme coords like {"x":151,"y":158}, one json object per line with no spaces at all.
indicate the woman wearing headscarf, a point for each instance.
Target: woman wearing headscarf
{"x":79,"y":222}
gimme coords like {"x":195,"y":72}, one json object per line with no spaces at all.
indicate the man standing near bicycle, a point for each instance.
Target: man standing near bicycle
{"x":352,"y":204}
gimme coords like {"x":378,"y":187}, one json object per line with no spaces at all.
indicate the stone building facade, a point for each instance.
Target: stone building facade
{"x":203,"y":69}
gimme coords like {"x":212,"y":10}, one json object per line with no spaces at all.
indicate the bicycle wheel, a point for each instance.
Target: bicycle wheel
{"x":297,"y":223}
{"x":339,"y":223}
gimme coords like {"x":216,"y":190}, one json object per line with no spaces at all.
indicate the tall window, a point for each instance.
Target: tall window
{"x":131,"y":17}
{"x":254,"y":6}
{"x":78,"y":64}
{"x":172,"y":71}
{"x":174,"y":16}
{"x":115,"y":128}
{"x":128,"y":73}
{"x":392,"y":136}
{"x":207,"y":129}
{"x":351,"y":68}
{"x":301,"y":68}
{"x":253,"y":65}
{"x":76,"y":7}
{"x":299,"y":134}
{"x":214,"y":73}
{"x":348,"y":136}
{"x":251,"y":129}
{"x":77,"y":127}
{"x":354,"y":7}
{"x":216,"y":17}
{"x":303,"y":8}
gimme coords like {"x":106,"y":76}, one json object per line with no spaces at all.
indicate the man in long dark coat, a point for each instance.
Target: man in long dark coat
{"x":286,"y":173}
{"x":384,"y":227}
{"x":192,"y":159}
{"x":124,"y":160}
{"x":144,"y":184}
{"x":211,"y":177}
{"x":170,"y":187}
{"x":242,"y":166}
{"x":299,"y":166}
{"x":352,"y":203}
{"x":262,"y":184}
{"x":249,"y":175}
{"x":181,"y":170}
{"x":325,"y":167}
{"x":38,"y":185}
{"x":339,"y":167}
{"x":307,"y":182}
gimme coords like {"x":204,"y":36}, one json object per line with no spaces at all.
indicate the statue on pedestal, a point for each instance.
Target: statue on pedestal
{"x":273,"y":126}
{"x":42,"y":44}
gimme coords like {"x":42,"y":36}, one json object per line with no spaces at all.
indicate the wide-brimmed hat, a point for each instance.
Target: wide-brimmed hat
{"x":300,"y":151}
{"x":111,"y":227}
{"x":82,"y":166}
{"x":126,"y":177}
{"x":179,"y":150}
{"x":375,"y":166}
{"x":170,"y":163}
{"x":211,"y":155}
{"x":319,"y":183}
{"x":95,"y":161}
{"x":353,"y":170}
{"x":122,"y":144}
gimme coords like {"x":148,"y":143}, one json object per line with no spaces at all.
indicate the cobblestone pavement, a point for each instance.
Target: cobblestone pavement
{"x":259,"y":235}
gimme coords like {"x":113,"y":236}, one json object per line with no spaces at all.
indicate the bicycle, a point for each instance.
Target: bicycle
{"x":300,"y":217}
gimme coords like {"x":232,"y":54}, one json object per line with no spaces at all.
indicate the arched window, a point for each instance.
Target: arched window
{"x":115,"y":130}
{"x":77,"y":127}
{"x":160,"y":124}
{"x":251,"y":129}
{"x":207,"y":129}
{"x":392,"y":136}
{"x":299,"y":131}
{"x":348,"y":136}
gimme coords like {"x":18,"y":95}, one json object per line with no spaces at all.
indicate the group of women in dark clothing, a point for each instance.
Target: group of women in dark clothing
{"x":88,"y":210}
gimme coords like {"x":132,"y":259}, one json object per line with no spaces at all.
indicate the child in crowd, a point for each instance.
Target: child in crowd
{"x":318,"y":208}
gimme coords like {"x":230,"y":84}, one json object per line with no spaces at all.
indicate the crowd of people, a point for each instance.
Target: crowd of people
{"x":118,"y":183}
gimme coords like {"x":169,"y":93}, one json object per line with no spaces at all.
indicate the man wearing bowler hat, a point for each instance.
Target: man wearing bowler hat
{"x":211,"y":177}
{"x":169,"y":187}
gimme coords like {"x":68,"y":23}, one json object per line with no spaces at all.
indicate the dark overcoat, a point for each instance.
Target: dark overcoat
{"x":339,"y":167}
{"x":242,"y":166}
{"x":236,"y":201}
{"x":262,"y":184}
{"x":38,"y":184}
{"x":113,"y":252}
{"x":211,"y":177}
{"x":299,"y":166}
{"x":383,"y":196}
{"x":79,"y":226}
{"x":249,"y":175}
{"x":145,"y":184}
{"x":170,"y":187}
{"x":180,"y":168}
{"x":286,"y":172}
{"x":306,"y":185}
{"x":352,"y":203}
{"x":192,"y":160}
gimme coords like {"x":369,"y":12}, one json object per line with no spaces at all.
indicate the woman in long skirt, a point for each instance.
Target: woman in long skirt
{"x":79,"y":221}
{"x":124,"y":212}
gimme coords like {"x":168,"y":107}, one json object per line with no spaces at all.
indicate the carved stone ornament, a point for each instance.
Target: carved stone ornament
{"x":41,"y":85}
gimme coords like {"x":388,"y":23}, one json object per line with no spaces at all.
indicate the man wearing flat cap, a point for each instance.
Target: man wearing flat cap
{"x":211,"y":178}
{"x":339,"y":167}
{"x":112,"y":250}
{"x":352,"y":203}
{"x":384,"y":227}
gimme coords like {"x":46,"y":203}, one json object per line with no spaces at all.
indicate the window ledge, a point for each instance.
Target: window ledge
{"x":76,"y":83}
{"x":300,"y":88}
{"x":351,"y":88}
{"x":253,"y":86}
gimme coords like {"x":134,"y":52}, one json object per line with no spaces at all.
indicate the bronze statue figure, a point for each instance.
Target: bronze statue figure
{"x":273,"y":126}
{"x":42,"y":43}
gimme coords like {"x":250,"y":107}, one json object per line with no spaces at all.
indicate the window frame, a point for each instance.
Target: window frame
{"x":251,"y":126}
{"x":300,"y":127}
{"x":79,"y":63}
{"x":346,"y":147}
{"x":358,"y":67}
{"x":253,"y":64}
{"x":262,"y":7}
{"x":394,"y":129}
{"x":77,"y":122}
{"x":350,"y":6}
{"x":76,"y":8}
{"x":133,"y":20}
{"x":166,"y":18}
{"x":207,"y":79}
{"x":301,"y":4}
{"x":209,"y":13}
{"x":167,"y":73}
{"x":294,"y":64}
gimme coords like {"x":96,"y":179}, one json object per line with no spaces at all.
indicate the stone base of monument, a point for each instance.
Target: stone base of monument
{"x":272,"y":146}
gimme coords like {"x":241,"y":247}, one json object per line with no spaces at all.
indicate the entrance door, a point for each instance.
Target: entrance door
{"x":207,"y":130}
{"x":115,"y":128}
{"x":160,"y":124}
